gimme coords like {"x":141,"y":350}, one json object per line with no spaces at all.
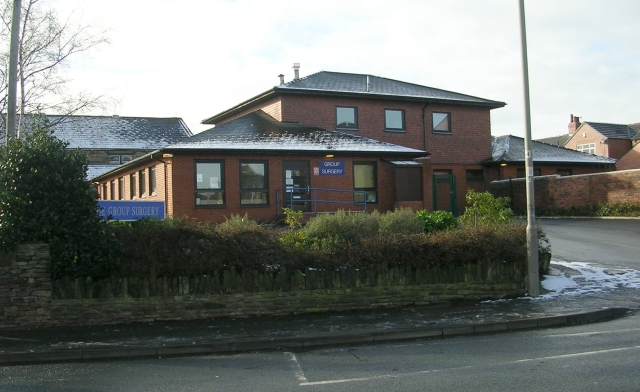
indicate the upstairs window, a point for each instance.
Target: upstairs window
{"x":209,"y":184}
{"x":346,"y":118}
{"x":125,"y":158}
{"x":589,"y":148}
{"x":114,"y":159}
{"x":441,"y":122}
{"x":394,"y":120}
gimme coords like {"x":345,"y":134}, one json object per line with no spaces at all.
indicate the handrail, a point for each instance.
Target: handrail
{"x":313,"y":198}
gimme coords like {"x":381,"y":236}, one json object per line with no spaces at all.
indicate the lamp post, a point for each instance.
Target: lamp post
{"x":533,"y":279}
{"x":13,"y":73}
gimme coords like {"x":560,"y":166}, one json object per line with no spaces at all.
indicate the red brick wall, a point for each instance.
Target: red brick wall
{"x":511,"y":170}
{"x":631,"y":160}
{"x":468,"y":143}
{"x":572,"y":191}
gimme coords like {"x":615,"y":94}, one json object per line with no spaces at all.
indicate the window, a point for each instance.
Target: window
{"x":441,"y":122}
{"x":346,"y":118}
{"x":364,"y":179}
{"x":142,"y":182}
{"x":408,"y":183}
{"x":564,"y":172}
{"x":153,"y":188}
{"x":520,"y":173}
{"x":125,"y":158}
{"x":112,"y":191}
{"x":114,"y":159}
{"x":254,"y":188}
{"x":121,"y":188}
{"x":104,"y":191}
{"x":132,"y":185}
{"x":394,"y":120}
{"x":589,"y":148}
{"x":475,"y":176}
{"x":209,"y":183}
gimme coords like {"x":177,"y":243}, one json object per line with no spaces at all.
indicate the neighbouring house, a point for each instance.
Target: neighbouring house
{"x":109,"y":141}
{"x":603,"y":139}
{"x":508,"y":160}
{"x":631,"y":160}
{"x":319,"y":143}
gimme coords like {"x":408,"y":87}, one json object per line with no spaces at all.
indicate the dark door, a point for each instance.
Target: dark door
{"x":295,"y":176}
{"x":444,"y":191}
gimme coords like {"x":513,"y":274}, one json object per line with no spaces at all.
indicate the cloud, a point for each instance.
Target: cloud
{"x":194,"y":59}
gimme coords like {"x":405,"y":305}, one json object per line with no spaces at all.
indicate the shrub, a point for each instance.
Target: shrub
{"x":236,"y":225}
{"x":293,"y":218}
{"x":45,"y":196}
{"x":402,"y":221}
{"x":342,"y":227}
{"x":483,"y":209}
{"x":436,"y":221}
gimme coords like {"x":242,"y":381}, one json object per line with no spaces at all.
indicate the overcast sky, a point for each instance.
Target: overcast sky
{"x":195,"y":58}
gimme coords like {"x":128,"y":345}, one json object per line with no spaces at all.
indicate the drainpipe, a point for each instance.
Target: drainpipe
{"x":166,"y":191}
{"x":424,"y":123}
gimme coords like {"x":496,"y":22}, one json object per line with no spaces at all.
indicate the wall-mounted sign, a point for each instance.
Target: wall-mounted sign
{"x":332,"y":168}
{"x":131,"y":210}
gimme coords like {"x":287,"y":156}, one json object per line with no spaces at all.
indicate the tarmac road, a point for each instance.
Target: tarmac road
{"x":606,"y":242}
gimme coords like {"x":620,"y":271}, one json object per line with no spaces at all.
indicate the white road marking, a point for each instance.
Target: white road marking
{"x":303,"y":380}
{"x":296,"y":368}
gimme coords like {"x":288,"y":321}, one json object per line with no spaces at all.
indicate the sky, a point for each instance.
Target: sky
{"x":195,"y":58}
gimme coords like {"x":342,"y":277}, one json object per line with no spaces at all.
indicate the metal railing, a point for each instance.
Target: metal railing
{"x":289,"y":197}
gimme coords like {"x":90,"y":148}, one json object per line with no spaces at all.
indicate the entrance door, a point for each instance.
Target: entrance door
{"x":296,"y":184}
{"x":444,"y":191}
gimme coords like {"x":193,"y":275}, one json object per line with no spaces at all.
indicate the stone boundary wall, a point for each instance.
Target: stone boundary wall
{"x":29,"y":298}
{"x":25,"y":287}
{"x":572,"y":191}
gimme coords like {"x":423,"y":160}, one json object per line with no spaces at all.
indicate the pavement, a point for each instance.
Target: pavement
{"x":313,"y":331}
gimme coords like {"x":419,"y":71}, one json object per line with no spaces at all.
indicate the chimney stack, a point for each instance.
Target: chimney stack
{"x":296,"y":71}
{"x":574,"y":124}
{"x":281,"y":76}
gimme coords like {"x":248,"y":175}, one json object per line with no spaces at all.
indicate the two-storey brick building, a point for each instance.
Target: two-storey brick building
{"x":327,"y":141}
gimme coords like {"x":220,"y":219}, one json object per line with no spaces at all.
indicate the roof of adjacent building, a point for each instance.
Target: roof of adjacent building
{"x":257,"y":131}
{"x":117,"y":133}
{"x":510,"y":148}
{"x":360,"y":85}
{"x":96,"y":170}
{"x":612,"y":131}
{"x":559,"y":141}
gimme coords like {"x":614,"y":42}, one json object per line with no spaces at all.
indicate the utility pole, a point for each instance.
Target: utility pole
{"x":533,"y":281}
{"x":13,"y":73}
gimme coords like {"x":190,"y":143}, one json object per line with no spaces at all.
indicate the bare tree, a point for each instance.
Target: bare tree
{"x":47,"y":44}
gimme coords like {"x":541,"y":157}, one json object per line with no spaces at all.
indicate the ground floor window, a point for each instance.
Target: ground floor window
{"x":132,"y":185}
{"x":152,"y":181}
{"x":254,"y":185}
{"x":364,"y":179}
{"x":209,"y":183}
{"x":121,"y":188}
{"x":564,"y":172}
{"x":408,"y":183}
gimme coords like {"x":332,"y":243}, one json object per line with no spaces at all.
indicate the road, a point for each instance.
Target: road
{"x":595,"y":357}
{"x":606,"y":242}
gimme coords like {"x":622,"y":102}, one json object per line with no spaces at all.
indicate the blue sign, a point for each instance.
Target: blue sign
{"x":332,"y":168}
{"x":131,"y":210}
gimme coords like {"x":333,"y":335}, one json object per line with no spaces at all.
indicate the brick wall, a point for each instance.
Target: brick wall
{"x":572,"y":191}
{"x":631,"y":160}
{"x":25,"y":287}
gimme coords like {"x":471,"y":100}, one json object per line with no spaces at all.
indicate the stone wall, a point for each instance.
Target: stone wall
{"x":572,"y":191}
{"x":25,"y":287}
{"x":30,"y":299}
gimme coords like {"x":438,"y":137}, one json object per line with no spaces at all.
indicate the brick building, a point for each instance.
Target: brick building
{"x":603,"y":139}
{"x":320,"y":141}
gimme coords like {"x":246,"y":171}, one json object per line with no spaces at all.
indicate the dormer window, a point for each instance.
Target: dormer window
{"x":346,"y":118}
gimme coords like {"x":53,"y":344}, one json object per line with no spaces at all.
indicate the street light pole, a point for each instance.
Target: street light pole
{"x":533,"y":280}
{"x":12,"y":92}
